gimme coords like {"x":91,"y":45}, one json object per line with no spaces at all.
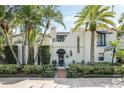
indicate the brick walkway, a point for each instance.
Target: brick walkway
{"x":61,"y":73}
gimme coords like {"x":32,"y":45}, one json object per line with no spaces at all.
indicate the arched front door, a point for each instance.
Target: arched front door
{"x":61,"y":53}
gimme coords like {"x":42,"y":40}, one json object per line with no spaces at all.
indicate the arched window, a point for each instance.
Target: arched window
{"x":78,"y":44}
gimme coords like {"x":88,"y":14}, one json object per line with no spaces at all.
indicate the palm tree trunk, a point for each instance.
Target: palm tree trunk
{"x":24,"y":54}
{"x":40,"y":43}
{"x":7,"y":37}
{"x":113,"y":56}
{"x":92,"y":46}
{"x":31,"y":54}
{"x":24,"y":49}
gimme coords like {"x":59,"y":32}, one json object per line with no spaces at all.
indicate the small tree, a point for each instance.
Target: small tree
{"x":114,"y":45}
{"x":120,"y":55}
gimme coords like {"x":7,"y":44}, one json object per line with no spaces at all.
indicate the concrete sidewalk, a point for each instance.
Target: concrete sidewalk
{"x":61,"y":82}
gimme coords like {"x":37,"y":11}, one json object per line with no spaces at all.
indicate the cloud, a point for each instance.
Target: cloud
{"x":69,"y":18}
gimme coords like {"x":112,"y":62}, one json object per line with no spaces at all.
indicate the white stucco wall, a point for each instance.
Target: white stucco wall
{"x":85,"y":40}
{"x":70,"y":44}
{"x":107,"y":54}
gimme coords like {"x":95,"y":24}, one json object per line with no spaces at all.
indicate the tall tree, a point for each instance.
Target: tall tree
{"x":94,"y":17}
{"x":120,"y":29}
{"x":114,"y":45}
{"x":5,"y":18}
{"x":30,"y":17}
{"x":50,"y":14}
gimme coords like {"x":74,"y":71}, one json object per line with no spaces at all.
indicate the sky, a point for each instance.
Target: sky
{"x":69,"y":11}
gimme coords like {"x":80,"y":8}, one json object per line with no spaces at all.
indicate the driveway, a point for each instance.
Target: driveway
{"x":60,"y":82}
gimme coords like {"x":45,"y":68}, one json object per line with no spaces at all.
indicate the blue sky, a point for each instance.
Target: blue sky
{"x":69,"y":11}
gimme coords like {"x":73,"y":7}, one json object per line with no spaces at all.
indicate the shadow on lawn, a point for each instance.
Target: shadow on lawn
{"x":5,"y":81}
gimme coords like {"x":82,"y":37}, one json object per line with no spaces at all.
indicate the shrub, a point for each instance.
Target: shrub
{"x":8,"y":69}
{"x":119,"y":69}
{"x":9,"y":56}
{"x":47,"y":67}
{"x":48,"y":74}
{"x":30,"y":69}
{"x":45,"y":54}
{"x":87,"y":69}
{"x":54,"y":63}
{"x":78,"y":70}
{"x":120,"y":55}
{"x":73,"y":74}
{"x":100,"y":63}
{"x":103,"y":69}
{"x":42,"y":70}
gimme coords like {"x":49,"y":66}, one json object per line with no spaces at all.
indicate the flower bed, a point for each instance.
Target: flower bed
{"x":80,"y":70}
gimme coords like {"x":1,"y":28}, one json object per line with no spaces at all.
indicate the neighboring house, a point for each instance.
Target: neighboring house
{"x":19,"y":40}
{"x":70,"y":47}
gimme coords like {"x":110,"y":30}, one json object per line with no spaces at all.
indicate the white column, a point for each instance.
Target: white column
{"x":35,"y":54}
{"x":19,"y":53}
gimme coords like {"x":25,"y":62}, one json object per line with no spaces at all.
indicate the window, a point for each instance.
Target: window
{"x":71,"y":53}
{"x":78,"y":44}
{"x":101,"y":56}
{"x":61,"y":38}
{"x":101,"y":39}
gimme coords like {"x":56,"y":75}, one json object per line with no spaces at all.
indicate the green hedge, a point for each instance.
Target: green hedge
{"x":42,"y":70}
{"x":44,"y":54}
{"x":8,"y":69}
{"x":78,"y":70}
{"x":9,"y":56}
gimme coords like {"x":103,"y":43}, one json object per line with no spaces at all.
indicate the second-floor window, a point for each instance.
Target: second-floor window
{"x":60,"y":38}
{"x":101,"y":39}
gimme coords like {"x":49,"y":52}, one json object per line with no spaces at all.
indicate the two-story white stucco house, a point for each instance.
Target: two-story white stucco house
{"x":69,"y":47}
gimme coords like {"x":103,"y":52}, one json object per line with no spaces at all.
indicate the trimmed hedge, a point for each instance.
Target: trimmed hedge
{"x":9,"y":56}
{"x":8,"y":69}
{"x":44,"y":54}
{"x":78,"y":70}
{"x":42,"y":70}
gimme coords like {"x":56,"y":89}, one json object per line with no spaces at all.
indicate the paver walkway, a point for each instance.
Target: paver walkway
{"x":60,"y":73}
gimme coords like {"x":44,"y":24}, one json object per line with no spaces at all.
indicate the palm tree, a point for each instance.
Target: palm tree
{"x":94,"y":17}
{"x":29,"y":17}
{"x":50,"y":14}
{"x":114,"y":45}
{"x":4,"y":11}
{"x":113,"y":8}
{"x":120,"y":29}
